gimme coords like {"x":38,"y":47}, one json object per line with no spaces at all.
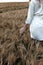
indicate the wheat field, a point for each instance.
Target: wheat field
{"x":16,"y":49}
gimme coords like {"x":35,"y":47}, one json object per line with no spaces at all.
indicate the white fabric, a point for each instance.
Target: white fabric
{"x":35,"y":19}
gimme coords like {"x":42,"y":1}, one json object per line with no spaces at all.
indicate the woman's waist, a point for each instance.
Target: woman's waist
{"x":38,"y":14}
{"x":38,"y":17}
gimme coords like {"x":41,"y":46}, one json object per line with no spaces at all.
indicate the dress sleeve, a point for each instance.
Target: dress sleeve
{"x":31,"y":11}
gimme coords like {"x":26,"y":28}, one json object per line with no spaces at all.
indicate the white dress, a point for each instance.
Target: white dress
{"x":35,"y":19}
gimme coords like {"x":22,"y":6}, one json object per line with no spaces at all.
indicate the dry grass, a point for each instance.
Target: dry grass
{"x":16,"y":49}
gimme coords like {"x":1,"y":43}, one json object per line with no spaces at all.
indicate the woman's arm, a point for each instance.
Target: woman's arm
{"x":30,"y":16}
{"x":31,"y":11}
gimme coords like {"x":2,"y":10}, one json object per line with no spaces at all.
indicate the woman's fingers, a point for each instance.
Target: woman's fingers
{"x":22,"y":30}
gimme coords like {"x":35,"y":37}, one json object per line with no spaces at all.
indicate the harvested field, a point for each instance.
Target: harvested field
{"x":16,"y":49}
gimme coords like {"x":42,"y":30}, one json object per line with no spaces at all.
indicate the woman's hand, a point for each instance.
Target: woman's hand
{"x":25,"y":27}
{"x":22,"y":30}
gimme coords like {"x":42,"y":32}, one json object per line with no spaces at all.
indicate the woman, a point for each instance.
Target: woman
{"x":34,"y":20}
